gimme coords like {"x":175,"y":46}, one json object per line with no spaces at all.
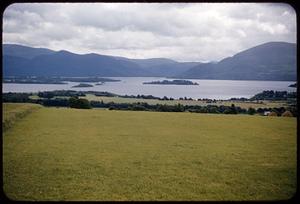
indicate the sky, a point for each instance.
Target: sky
{"x":200,"y":32}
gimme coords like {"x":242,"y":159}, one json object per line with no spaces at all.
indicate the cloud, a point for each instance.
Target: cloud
{"x":182,"y":31}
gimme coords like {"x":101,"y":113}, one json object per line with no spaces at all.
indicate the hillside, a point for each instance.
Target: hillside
{"x":64,"y":63}
{"x":65,"y":154}
{"x":24,"y":51}
{"x":21,"y":61}
{"x":164,"y":67}
{"x":269,"y":61}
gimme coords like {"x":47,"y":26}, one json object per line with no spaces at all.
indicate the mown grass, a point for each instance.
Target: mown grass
{"x":15,"y":111}
{"x":70,"y":154}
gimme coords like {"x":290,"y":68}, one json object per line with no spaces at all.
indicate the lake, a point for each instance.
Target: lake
{"x":213,"y":89}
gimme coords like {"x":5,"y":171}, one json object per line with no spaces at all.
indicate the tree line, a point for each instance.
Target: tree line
{"x":49,"y":99}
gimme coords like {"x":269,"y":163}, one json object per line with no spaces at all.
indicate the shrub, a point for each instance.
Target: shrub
{"x":79,"y":103}
{"x":138,"y":107}
{"x":272,"y":114}
{"x":251,"y":111}
{"x":46,"y":94}
{"x":287,"y":114}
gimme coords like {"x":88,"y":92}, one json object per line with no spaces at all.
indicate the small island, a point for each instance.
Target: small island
{"x":82,"y":85}
{"x":99,"y":83}
{"x":33,"y":80}
{"x":174,"y":82}
{"x":293,"y":85}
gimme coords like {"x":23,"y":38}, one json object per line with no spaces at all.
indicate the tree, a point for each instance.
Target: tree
{"x":179,"y":108}
{"x":79,"y":103}
{"x":233,"y":109}
{"x":46,"y":94}
{"x":251,"y":111}
{"x":213,"y":109}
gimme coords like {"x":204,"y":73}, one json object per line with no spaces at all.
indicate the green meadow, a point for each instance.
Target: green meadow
{"x":63,"y":154}
{"x":14,"y":112}
{"x":116,"y":99}
{"x":263,"y":104}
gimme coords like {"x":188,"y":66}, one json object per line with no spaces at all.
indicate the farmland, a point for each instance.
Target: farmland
{"x":242,"y":104}
{"x":246,"y":104}
{"x":70,"y":154}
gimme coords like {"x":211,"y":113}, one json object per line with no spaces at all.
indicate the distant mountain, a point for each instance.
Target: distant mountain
{"x":64,"y":63}
{"x":153,"y":62}
{"x":21,"y":60}
{"x":166,"y":67}
{"x":162,"y":67}
{"x":269,"y":61}
{"x":14,"y":66}
{"x":24,"y":51}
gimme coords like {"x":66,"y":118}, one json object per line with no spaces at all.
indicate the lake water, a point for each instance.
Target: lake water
{"x":213,"y":89}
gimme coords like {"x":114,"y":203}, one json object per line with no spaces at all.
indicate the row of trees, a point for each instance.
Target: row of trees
{"x":66,"y":93}
{"x":16,"y":97}
{"x":72,"y":102}
{"x":274,"y":95}
{"x":72,"y":93}
{"x":76,"y":102}
{"x":48,"y":99}
{"x":191,"y":108}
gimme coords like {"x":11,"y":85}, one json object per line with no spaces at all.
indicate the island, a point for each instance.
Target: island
{"x":32,"y":80}
{"x":82,"y":85}
{"x":174,"y":82}
{"x":293,"y":85}
{"x":55,"y":80}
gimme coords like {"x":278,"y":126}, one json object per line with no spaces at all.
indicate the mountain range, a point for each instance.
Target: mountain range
{"x":269,"y":61}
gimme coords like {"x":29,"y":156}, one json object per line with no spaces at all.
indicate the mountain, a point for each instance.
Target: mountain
{"x":21,"y":60}
{"x":64,"y":63}
{"x":24,"y":51}
{"x":13,"y":65}
{"x":269,"y":61}
{"x":162,"y":67}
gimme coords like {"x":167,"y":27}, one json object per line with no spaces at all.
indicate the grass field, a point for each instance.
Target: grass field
{"x":15,"y":112}
{"x":246,"y":105}
{"x":265,"y":104}
{"x":69,"y":154}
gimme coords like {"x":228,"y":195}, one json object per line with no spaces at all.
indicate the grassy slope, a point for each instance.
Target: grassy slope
{"x":16,"y":111}
{"x":69,"y":154}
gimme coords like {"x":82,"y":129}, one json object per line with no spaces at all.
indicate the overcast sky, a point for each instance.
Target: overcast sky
{"x":183,"y":32}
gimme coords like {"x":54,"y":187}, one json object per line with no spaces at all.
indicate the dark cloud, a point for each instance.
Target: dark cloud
{"x":183,"y":31}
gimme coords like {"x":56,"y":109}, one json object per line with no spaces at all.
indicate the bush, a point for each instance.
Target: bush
{"x":251,"y":111}
{"x":55,"y":102}
{"x":272,"y":114}
{"x":46,"y":94}
{"x":138,"y":107}
{"x":287,"y":114}
{"x":79,"y":103}
{"x":15,"y":97}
